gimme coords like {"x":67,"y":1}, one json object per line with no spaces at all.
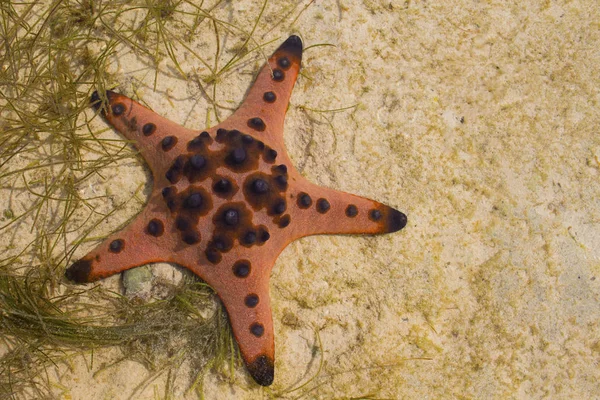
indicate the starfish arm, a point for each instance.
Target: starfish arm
{"x":263,"y":110}
{"x":249,"y":311}
{"x":318,"y":210}
{"x":241,"y":280}
{"x":141,"y":242}
{"x":158,"y":139}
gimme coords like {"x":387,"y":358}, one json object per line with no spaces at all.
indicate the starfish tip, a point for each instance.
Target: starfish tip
{"x":293,"y":44}
{"x":396,"y":221}
{"x":262,"y":370}
{"x":79,"y":271}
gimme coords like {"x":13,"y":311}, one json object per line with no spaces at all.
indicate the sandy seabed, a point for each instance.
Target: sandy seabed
{"x":480,"y":121}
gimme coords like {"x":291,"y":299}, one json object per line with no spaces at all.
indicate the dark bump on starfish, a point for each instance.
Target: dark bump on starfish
{"x":284,"y":62}
{"x":251,"y":300}
{"x":257,"y":329}
{"x":264,"y":236}
{"x":118,"y":109}
{"x":199,"y":141}
{"x":285,"y":221}
{"x":166,"y":192}
{"x":95,"y":100}
{"x":279,"y":207}
{"x":79,"y":271}
{"x":260,"y":186}
{"x":197,"y":161}
{"x":171,"y":204}
{"x":220,"y":134}
{"x":395,"y":220}
{"x":269,"y":97}
{"x":351,"y":211}
{"x":323,"y":206}
{"x":282,"y":181}
{"x":222,"y":243}
{"x":293,"y":46}
{"x":241,"y":268}
{"x":213,"y":255}
{"x":237,"y":156}
{"x":116,"y":246}
{"x":375,"y":215}
{"x":191,"y":237}
{"x":231,"y":217}
{"x":249,"y":238}
{"x":257,"y":124}
{"x":148,"y":129}
{"x":278,"y":75}
{"x":222,"y":186}
{"x":247,"y":139}
{"x":304,"y":200}
{"x":270,"y":155}
{"x":168,"y":143}
{"x":155,"y":227}
{"x":194,"y":200}
{"x":182,"y":224}
{"x":174,"y":173}
{"x":281,"y":168}
{"x":262,"y":370}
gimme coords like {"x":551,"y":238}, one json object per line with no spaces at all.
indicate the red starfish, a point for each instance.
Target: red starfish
{"x":225,"y":203}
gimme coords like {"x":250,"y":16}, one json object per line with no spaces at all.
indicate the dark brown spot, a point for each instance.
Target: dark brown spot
{"x":323,"y":206}
{"x":269,"y":97}
{"x":194,"y":200}
{"x":270,"y":155}
{"x":199,"y":142}
{"x":79,"y":271}
{"x":250,"y":237}
{"x":224,"y":188}
{"x":231,"y":217}
{"x":168,"y":143}
{"x":304,"y":200}
{"x":148,"y":129}
{"x":173,"y":174}
{"x":262,"y":370}
{"x":116,"y":246}
{"x":182,"y":224}
{"x":284,"y":221}
{"x":278,"y":75}
{"x":257,"y":124}
{"x":166,"y":192}
{"x":351,"y":211}
{"x":279,"y":207}
{"x":222,"y":243}
{"x":213,"y":255}
{"x":281,"y":181}
{"x":241,"y":268}
{"x":251,"y":300}
{"x":284,"y":62}
{"x":257,"y":329}
{"x":197,"y":161}
{"x":260,"y":186}
{"x":375,"y":215}
{"x":237,"y":156}
{"x":155,"y":228}
{"x":281,"y":168}
{"x":118,"y":109}
{"x":264,"y":236}
{"x":191,"y":237}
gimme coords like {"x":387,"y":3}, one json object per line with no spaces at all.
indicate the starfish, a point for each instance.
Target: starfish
{"x":226,"y":201}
